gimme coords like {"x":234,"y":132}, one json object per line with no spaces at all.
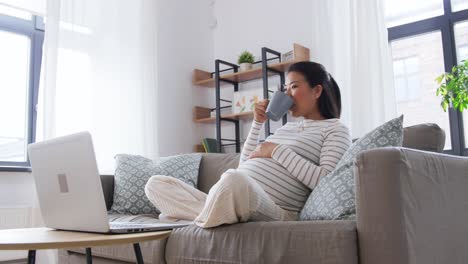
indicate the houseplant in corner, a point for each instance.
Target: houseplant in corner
{"x":245,"y":60}
{"x":453,"y":87}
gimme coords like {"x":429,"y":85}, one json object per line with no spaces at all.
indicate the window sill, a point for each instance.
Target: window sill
{"x":15,"y":169}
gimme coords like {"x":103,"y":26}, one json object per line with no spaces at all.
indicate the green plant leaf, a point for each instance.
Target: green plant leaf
{"x":246,"y":57}
{"x":444,"y":105}
{"x":454,"y":91}
{"x":440,"y":78}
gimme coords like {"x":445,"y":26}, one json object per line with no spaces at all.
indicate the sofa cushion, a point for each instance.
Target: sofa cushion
{"x":334,"y":196}
{"x":265,"y":242}
{"x":212,"y":165}
{"x":428,"y":137}
{"x":133,"y":171}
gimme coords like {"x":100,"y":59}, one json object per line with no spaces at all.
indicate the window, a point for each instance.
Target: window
{"x":414,"y":76}
{"x":427,"y":30}
{"x":20,"y":51}
{"x":461,"y":40}
{"x":14,"y":67}
{"x":398,"y":12}
{"x":407,"y":79}
{"x":462,"y":53}
{"x":458,"y":5}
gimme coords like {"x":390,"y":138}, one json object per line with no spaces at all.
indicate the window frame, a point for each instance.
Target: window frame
{"x":34,"y":30}
{"x":445,"y":24}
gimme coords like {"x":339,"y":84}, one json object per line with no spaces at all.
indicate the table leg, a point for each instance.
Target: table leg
{"x":31,"y":256}
{"x":138,"y":255}
{"x":89,"y":257}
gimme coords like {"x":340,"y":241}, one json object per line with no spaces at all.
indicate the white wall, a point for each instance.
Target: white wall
{"x":272,"y":23}
{"x":185,"y":42}
{"x":16,"y":189}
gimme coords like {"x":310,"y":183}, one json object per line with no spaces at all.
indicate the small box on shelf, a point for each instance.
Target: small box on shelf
{"x":199,"y":148}
{"x":299,"y":53}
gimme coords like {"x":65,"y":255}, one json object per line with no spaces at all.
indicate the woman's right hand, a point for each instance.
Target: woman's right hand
{"x":259,"y":111}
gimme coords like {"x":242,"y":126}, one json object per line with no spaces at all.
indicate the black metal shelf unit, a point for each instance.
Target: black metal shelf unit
{"x":235,"y":68}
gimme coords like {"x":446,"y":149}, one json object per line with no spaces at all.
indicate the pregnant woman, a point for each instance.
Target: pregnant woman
{"x":274,"y":178}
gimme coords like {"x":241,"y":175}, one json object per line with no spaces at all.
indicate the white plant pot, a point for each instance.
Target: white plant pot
{"x":245,"y":66}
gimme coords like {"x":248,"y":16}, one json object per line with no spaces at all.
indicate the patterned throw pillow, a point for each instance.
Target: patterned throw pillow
{"x":334,"y":196}
{"x":132,"y":174}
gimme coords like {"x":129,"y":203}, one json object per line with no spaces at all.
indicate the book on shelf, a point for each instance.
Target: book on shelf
{"x":210,"y":145}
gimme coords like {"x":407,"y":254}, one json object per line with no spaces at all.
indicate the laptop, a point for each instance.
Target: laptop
{"x":69,"y":188}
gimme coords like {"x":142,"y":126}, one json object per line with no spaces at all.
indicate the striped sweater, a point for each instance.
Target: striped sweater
{"x":307,"y":150}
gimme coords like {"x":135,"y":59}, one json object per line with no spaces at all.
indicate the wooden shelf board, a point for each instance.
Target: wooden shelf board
{"x":241,"y":116}
{"x":248,"y":75}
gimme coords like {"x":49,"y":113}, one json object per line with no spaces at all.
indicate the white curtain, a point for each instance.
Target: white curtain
{"x":351,"y":38}
{"x":99,"y":75}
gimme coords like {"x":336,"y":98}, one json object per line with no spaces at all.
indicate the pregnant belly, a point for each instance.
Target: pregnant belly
{"x":277,"y":181}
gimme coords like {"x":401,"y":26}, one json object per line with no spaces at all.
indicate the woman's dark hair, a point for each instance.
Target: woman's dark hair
{"x":314,"y":73}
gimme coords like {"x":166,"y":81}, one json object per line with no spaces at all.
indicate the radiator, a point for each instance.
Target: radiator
{"x":14,"y":218}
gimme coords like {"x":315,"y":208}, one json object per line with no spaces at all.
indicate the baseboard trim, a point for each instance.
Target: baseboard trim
{"x":14,"y":261}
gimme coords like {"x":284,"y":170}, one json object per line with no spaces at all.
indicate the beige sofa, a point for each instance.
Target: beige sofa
{"x":412,"y":207}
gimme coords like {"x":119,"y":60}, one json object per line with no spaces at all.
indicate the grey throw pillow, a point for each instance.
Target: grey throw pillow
{"x":133,"y":171}
{"x":334,"y":196}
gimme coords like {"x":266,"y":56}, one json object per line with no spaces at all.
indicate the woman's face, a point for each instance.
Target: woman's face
{"x":305,"y":98}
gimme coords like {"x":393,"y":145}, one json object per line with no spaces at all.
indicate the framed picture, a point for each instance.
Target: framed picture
{"x":244,"y":101}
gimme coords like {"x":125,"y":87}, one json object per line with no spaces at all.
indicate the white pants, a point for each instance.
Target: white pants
{"x":234,"y":198}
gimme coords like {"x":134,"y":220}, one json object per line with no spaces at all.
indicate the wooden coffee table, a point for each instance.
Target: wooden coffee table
{"x":33,"y":239}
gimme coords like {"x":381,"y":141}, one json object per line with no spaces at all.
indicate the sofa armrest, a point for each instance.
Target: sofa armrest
{"x":107,"y":182}
{"x":412,"y":207}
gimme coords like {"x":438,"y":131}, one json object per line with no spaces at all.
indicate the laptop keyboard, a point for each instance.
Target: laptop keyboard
{"x":117,"y":225}
{"x":126,"y":225}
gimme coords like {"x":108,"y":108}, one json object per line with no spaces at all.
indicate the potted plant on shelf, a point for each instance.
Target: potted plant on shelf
{"x":245,"y":60}
{"x":453,"y":87}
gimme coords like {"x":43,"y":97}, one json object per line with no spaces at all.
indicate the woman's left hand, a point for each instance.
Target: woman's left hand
{"x":263,"y":150}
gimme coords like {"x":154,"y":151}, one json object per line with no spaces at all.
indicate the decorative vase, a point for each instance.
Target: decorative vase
{"x":245,"y":66}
